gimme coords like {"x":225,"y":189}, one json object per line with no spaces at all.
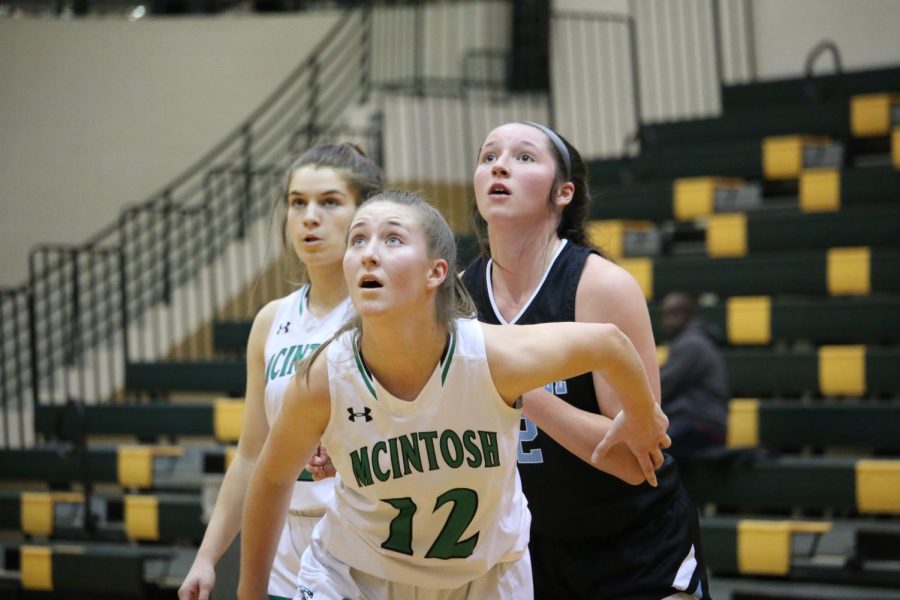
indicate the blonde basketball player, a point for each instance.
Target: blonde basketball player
{"x":418,"y":406}
{"x":323,"y":188}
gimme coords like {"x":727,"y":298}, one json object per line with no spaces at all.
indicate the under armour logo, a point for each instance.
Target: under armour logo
{"x":365,"y":414}
{"x":304,"y":593}
{"x":283,"y":328}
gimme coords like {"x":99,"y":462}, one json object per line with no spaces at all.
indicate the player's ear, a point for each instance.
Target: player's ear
{"x":437,"y":274}
{"x":564,"y":193}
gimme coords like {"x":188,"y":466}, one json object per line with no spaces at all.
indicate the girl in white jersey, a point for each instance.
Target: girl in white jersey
{"x":417,"y":405}
{"x":322,"y":189}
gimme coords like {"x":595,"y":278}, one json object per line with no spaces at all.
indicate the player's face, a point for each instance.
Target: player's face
{"x":386,"y":266}
{"x":320,"y":206}
{"x":515,"y":174}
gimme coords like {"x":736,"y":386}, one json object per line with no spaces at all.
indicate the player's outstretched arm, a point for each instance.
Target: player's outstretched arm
{"x":528,"y":356}
{"x":292,"y":440}
{"x":577,"y":431}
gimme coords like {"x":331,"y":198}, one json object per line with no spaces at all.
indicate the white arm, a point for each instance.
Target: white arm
{"x":291,"y":442}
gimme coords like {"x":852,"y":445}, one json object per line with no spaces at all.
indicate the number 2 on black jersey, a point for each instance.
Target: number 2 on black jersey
{"x":528,"y":432}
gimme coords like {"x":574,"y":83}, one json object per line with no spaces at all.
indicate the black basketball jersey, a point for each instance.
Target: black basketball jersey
{"x":569,"y":498}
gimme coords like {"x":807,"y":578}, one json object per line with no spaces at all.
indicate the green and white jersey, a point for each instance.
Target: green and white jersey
{"x":427,"y":492}
{"x":295,"y":333}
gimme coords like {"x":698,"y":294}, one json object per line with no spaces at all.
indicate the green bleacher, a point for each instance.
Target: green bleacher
{"x":802,"y":272}
{"x":224,"y":376}
{"x":655,"y":200}
{"x":802,"y":282}
{"x":765,"y":319}
{"x":89,"y":570}
{"x":219,"y":419}
{"x":832,"y":118}
{"x":158,"y":517}
{"x":795,"y":91}
{"x":129,"y":466}
{"x":779,"y":424}
{"x":797,"y":483}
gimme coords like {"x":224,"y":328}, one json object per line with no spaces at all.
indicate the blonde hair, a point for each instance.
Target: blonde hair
{"x":452,"y":300}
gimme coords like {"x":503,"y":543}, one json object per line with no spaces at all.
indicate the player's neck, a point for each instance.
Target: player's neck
{"x":402,"y":357}
{"x":519,"y":263}
{"x":327,"y":289}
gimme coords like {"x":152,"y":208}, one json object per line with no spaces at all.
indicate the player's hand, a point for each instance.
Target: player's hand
{"x":320,"y":465}
{"x":199,"y":581}
{"x":644,"y":437}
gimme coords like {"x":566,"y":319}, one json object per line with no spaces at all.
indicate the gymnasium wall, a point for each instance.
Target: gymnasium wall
{"x":785,"y":31}
{"x":94,"y":114}
{"x":97,"y":114}
{"x":595,"y":105}
{"x":865,"y":32}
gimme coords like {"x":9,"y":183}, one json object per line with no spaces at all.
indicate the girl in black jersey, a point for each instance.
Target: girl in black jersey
{"x":537,"y":265}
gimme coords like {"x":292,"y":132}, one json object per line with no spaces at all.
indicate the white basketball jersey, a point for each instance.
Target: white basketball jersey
{"x":296,"y":333}
{"x":427,"y":493}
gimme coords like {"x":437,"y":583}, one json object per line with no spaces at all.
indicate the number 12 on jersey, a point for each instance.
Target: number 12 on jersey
{"x":448,"y":543}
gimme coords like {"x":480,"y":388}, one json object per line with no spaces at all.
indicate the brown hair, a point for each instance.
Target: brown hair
{"x":361,"y":175}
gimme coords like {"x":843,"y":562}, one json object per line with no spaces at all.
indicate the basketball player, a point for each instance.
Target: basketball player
{"x":322,"y":189}
{"x":592,"y":536}
{"x":418,"y":407}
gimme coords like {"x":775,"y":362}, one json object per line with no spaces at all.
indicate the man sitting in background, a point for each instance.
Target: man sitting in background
{"x":693,"y":379}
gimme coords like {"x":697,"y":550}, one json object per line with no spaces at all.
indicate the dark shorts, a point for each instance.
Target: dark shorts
{"x":652,"y":560}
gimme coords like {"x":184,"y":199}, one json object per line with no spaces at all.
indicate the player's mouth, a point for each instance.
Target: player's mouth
{"x":498,"y":190}
{"x":370,"y":282}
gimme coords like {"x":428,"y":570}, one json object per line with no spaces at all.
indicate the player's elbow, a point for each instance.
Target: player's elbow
{"x":614,"y":341}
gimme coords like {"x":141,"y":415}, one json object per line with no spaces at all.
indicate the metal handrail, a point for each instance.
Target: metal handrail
{"x":78,"y":295}
{"x":812,"y":84}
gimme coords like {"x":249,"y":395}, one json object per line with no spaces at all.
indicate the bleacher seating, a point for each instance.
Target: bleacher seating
{"x":836,"y":271}
{"x":829,"y":371}
{"x":832,"y":119}
{"x":786,"y":483}
{"x":104,"y":571}
{"x":158,"y":517}
{"x":767,"y":319}
{"x":220,"y":419}
{"x":231,"y":336}
{"x":779,"y":424}
{"x":765,"y":210}
{"x":161,"y":467}
{"x":829,"y":189}
{"x":163,"y":377}
{"x":795,"y":91}
{"x":797,"y":266}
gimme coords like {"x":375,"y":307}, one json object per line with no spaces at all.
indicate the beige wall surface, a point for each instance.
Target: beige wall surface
{"x":99,"y":114}
{"x":865,"y":31}
{"x":786,"y":30}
